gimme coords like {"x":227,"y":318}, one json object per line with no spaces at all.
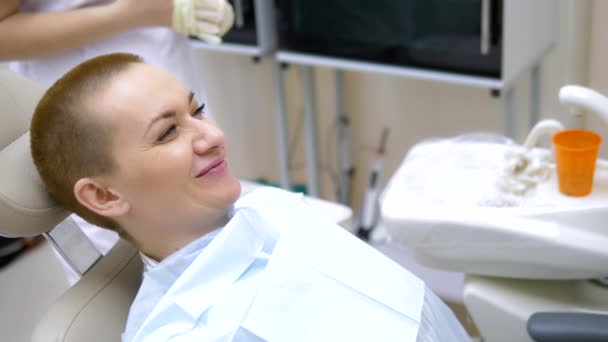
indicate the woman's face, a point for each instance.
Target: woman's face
{"x":172,"y":162}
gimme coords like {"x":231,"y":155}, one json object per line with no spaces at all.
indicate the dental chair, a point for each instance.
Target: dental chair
{"x":95,"y":309}
{"x":533,"y":273}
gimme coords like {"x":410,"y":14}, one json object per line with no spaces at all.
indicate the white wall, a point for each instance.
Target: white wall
{"x":598,"y":65}
{"x":241,"y":100}
{"x":241,"y":96}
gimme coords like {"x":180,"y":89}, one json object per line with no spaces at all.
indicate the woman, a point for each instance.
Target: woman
{"x":44,"y":39}
{"x":126,"y":146}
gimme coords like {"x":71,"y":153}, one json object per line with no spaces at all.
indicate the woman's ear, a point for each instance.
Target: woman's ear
{"x":92,"y":194}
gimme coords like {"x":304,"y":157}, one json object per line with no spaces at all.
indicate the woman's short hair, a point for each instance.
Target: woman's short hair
{"x":69,"y":138}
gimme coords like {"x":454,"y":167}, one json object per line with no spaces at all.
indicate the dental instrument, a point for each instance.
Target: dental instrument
{"x":369,"y":211}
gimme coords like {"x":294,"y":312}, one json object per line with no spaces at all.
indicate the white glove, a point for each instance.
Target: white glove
{"x":208,"y":20}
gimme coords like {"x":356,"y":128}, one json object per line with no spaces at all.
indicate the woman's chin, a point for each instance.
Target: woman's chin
{"x":234,"y":190}
{"x":229,"y":190}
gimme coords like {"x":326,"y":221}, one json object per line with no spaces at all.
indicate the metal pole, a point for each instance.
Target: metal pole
{"x":281,"y":125}
{"x":534,"y":95}
{"x":509,"y":114}
{"x":344,"y":162}
{"x":310,"y":126}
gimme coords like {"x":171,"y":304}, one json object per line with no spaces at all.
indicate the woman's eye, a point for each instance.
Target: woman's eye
{"x":199,"y":110}
{"x":167,"y":133}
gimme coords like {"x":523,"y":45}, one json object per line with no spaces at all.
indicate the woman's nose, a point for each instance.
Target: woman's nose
{"x":207,"y":136}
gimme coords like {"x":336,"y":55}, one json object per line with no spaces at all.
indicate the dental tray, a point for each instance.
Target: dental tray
{"x":444,"y":204}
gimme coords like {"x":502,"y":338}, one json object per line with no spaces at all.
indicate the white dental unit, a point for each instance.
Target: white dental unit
{"x":524,"y":246}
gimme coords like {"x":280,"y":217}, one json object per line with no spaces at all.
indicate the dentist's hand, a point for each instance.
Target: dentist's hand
{"x":205,"y":19}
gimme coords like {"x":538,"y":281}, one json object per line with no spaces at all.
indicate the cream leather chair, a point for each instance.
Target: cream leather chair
{"x":96,"y":308}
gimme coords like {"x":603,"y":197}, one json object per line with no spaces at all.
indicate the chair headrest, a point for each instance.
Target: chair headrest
{"x":26,"y":208}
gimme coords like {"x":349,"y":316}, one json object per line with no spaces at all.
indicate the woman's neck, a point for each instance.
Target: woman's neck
{"x":167,"y":241}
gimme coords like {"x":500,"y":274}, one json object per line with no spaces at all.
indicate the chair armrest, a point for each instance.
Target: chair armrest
{"x":96,"y":308}
{"x":568,"y":326}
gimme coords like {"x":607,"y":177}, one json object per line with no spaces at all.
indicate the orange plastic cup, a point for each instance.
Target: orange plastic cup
{"x":575,"y":155}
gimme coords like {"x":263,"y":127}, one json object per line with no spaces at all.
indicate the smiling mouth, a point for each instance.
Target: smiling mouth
{"x":216,"y":166}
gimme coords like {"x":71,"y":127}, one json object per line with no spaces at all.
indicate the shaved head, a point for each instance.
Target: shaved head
{"x":70,"y":138}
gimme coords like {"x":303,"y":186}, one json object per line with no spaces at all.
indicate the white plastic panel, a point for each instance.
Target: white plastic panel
{"x":501,"y":307}
{"x":436,"y":213}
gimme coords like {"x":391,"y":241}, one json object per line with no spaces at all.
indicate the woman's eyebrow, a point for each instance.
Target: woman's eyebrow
{"x":168,"y":114}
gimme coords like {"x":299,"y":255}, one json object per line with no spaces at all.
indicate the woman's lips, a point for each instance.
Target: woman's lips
{"x":215,"y":167}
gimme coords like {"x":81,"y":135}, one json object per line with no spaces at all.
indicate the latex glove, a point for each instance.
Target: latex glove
{"x":208,"y":20}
